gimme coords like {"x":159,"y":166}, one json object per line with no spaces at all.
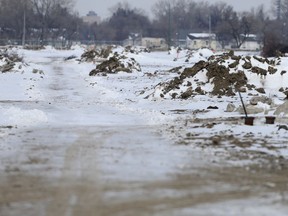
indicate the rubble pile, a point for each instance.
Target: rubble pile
{"x":94,"y":55}
{"x":116,"y":63}
{"x":9,"y":60}
{"x":219,"y":75}
{"x":111,"y":60}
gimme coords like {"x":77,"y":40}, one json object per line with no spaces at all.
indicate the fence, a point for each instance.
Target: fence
{"x":56,"y":43}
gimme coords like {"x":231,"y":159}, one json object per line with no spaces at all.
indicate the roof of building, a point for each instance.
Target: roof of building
{"x":194,"y":36}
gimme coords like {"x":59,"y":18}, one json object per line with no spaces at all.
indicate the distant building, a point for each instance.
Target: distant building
{"x":202,"y":40}
{"x":91,"y":18}
{"x":136,"y":39}
{"x":251,"y":43}
{"x":154,"y":43}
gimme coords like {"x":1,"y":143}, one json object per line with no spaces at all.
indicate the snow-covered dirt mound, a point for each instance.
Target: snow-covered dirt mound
{"x":225,"y":74}
{"x":95,"y":55}
{"x":117,"y":63}
{"x":113,"y":60}
{"x":9,"y":61}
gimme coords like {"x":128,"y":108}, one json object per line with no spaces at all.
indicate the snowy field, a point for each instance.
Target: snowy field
{"x":157,"y":148}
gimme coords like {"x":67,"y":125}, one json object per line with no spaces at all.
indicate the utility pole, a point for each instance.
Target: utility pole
{"x":24,"y":25}
{"x":169,"y":27}
{"x":209,"y":30}
{"x":278,"y":5}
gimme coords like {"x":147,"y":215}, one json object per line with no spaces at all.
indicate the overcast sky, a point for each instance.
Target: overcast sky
{"x":101,"y":7}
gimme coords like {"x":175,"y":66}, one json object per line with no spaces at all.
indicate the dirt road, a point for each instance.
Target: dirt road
{"x":77,"y":165}
{"x":108,"y":171}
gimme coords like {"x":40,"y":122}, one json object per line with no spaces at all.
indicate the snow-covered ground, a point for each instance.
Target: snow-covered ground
{"x":50,"y":101}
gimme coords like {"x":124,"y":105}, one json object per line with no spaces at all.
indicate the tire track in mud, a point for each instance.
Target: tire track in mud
{"x":79,"y":190}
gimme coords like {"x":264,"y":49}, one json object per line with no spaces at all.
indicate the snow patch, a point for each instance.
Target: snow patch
{"x":20,"y":117}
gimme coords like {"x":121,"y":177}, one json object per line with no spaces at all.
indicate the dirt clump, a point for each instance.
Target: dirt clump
{"x":247,"y":65}
{"x":191,"y":72}
{"x":116,"y":63}
{"x":93,"y":54}
{"x":8,"y":60}
{"x":223,"y":80}
{"x":260,"y":90}
{"x":259,"y":71}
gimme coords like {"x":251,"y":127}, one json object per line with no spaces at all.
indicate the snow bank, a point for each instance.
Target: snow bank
{"x":20,"y":117}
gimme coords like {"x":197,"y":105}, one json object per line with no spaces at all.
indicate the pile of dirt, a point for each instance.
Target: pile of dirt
{"x":116,"y":63}
{"x":8,"y":60}
{"x":93,"y":55}
{"x":220,"y":75}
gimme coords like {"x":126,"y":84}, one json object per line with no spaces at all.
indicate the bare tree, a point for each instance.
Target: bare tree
{"x":45,"y":11}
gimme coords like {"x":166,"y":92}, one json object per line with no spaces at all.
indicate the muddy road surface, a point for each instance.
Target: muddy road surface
{"x":129,"y":171}
{"x":96,"y":156}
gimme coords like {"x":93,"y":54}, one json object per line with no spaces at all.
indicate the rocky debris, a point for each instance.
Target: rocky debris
{"x":8,"y":60}
{"x":116,"y":63}
{"x":218,"y":75}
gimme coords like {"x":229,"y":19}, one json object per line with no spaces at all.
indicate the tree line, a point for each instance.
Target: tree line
{"x":52,"y":19}
{"x":37,"y":19}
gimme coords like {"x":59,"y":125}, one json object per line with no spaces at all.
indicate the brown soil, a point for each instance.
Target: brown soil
{"x":225,"y":82}
{"x":80,"y":186}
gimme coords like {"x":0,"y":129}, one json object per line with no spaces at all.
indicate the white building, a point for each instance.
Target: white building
{"x":202,"y":40}
{"x":151,"y":42}
{"x":251,"y":43}
{"x":148,"y":42}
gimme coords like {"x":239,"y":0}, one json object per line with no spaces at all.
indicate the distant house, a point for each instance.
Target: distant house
{"x":91,"y":18}
{"x":202,"y":40}
{"x":149,"y":42}
{"x":251,"y":43}
{"x":154,"y":43}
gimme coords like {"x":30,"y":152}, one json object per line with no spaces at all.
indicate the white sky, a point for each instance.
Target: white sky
{"x":102,"y":7}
